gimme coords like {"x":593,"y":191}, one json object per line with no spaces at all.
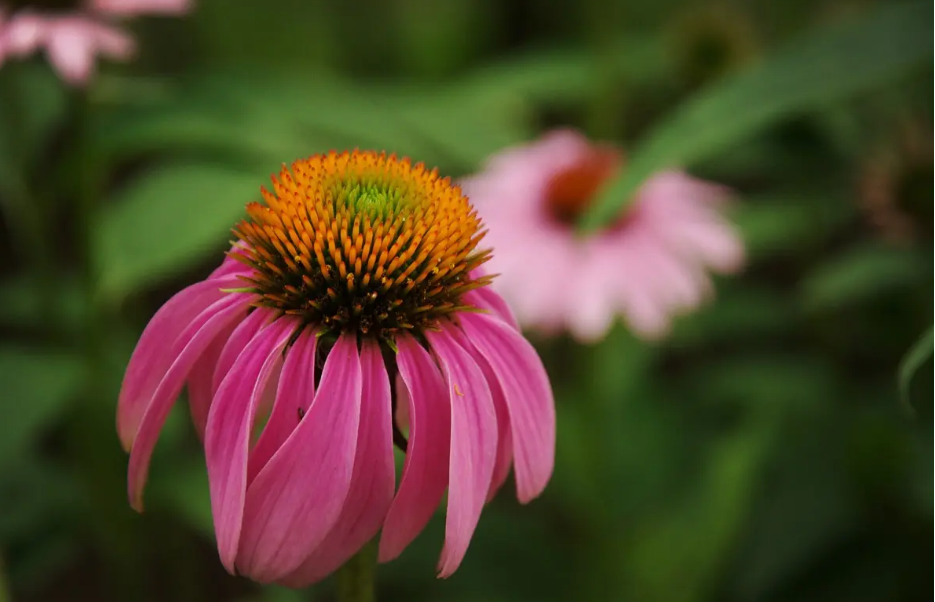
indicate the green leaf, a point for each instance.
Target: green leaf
{"x":25,"y":303}
{"x":920,"y":352}
{"x":37,"y":387}
{"x":825,"y":66}
{"x":167,"y":220}
{"x":693,"y":536}
{"x":787,"y":223}
{"x":859,"y":274}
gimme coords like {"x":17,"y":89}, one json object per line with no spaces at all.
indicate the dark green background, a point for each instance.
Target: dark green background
{"x":763,"y":452}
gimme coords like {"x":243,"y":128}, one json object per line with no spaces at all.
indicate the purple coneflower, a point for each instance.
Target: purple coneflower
{"x":360,"y":270}
{"x":73,"y":39}
{"x":649,"y":265}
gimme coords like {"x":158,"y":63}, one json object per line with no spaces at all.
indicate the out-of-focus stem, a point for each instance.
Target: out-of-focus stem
{"x":356,"y":577}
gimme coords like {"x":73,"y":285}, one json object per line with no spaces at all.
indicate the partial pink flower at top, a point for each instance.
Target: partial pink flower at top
{"x":649,"y":265}
{"x":73,"y":40}
{"x":356,"y":286}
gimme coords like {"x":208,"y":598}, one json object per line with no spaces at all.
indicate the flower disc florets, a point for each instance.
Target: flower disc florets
{"x":362,"y":241}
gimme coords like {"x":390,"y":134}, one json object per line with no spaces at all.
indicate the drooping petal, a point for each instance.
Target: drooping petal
{"x":200,"y":382}
{"x":197,"y":337}
{"x":156,"y":350}
{"x":473,"y":445}
{"x":293,"y":397}
{"x":486,"y":298}
{"x":425,"y":471}
{"x":296,"y":498}
{"x":373,"y":481}
{"x":501,"y":469}
{"x":227,"y":436}
{"x":528,"y":396}
{"x":237,"y":342}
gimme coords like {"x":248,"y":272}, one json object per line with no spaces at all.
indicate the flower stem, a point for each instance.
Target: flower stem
{"x":356,"y":577}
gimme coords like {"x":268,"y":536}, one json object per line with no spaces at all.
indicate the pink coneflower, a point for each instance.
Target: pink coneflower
{"x":649,"y":265}
{"x":73,"y":40}
{"x":358,"y":269}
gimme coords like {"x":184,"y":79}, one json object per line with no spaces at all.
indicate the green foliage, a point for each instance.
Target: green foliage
{"x":918,"y":354}
{"x":756,"y":453}
{"x":38,"y":386}
{"x":821,"y":68}
{"x":167,"y":219}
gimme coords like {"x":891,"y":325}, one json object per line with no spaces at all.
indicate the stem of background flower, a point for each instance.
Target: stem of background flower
{"x":356,"y":577}
{"x":5,"y":595}
{"x":606,"y":107}
{"x":28,"y":218}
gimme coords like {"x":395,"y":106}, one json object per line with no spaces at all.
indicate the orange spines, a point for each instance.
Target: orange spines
{"x":363,"y":240}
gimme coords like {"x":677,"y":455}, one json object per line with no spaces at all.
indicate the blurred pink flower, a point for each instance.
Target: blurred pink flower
{"x":649,"y":265}
{"x":293,"y":504}
{"x":73,"y":40}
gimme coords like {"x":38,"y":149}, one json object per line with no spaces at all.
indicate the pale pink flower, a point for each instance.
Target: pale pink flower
{"x":649,"y":265}
{"x":73,"y":40}
{"x":359,"y":271}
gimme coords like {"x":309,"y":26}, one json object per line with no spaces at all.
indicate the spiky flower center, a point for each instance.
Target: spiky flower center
{"x":362,"y":241}
{"x":570,"y":192}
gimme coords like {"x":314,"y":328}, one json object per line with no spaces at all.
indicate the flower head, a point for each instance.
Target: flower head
{"x":649,"y":265}
{"x":72,"y":40}
{"x":358,"y":275}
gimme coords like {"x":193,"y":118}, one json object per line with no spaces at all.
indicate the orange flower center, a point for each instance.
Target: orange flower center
{"x":362,"y":241}
{"x":570,"y":192}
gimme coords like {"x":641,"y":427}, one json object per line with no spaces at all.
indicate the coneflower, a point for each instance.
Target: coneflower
{"x":359,"y":270}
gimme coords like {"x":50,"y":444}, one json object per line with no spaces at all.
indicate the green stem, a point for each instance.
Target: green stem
{"x":356,"y":577}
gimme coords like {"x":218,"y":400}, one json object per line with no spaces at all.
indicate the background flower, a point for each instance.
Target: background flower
{"x":648,"y":265}
{"x":73,"y":40}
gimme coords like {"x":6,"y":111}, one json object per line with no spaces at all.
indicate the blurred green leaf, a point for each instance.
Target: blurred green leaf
{"x":33,"y":103}
{"x":739,"y":311}
{"x":786,"y":223}
{"x":860,"y":273}
{"x":38,"y":386}
{"x":567,"y":75}
{"x":920,"y":352}
{"x":36,"y":496}
{"x":184,"y":491}
{"x":803,"y":510}
{"x":773,"y":383}
{"x":825,"y":66}
{"x":168,"y":219}
{"x":25,"y":304}
{"x":676,"y":554}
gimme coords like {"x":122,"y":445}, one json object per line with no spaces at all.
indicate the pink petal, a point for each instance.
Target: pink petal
{"x":74,"y":42}
{"x":528,"y":396}
{"x":196,"y":337}
{"x":473,"y":445}
{"x":425,"y":471}
{"x":486,"y":298}
{"x":227,"y":437}
{"x":155,"y":352}
{"x":22,"y":34}
{"x":200,"y":383}
{"x":293,"y":397}
{"x":134,"y":8}
{"x":372,"y":485}
{"x":501,"y":469}
{"x":295,"y":500}
{"x":237,"y":342}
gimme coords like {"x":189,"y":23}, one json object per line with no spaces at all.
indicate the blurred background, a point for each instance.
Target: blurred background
{"x":774,"y":447}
